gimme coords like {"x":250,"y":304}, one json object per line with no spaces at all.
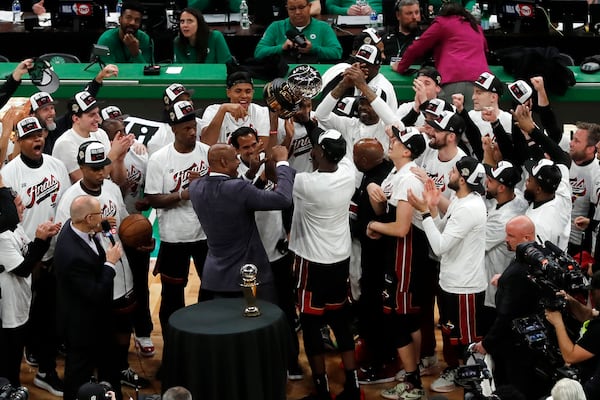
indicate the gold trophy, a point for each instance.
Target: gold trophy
{"x":248,"y":273}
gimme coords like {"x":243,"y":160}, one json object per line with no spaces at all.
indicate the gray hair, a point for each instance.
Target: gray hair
{"x":568,"y":389}
{"x":402,"y":3}
{"x":177,"y":393}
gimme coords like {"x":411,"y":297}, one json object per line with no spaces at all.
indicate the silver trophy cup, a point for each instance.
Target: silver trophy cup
{"x":249,"y":283}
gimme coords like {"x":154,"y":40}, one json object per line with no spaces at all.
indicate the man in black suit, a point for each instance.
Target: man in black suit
{"x":225,"y":207}
{"x":85,"y":275}
{"x":517,"y":297}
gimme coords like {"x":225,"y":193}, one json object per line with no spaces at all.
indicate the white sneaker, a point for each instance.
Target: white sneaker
{"x":144,"y":345}
{"x":428,"y":365}
{"x":404,"y":391}
{"x":445,"y":383}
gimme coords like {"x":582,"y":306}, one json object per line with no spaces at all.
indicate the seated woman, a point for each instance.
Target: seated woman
{"x":197,"y":43}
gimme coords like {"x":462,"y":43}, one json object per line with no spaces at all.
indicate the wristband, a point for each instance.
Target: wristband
{"x":272,"y":132}
{"x":426,"y":214}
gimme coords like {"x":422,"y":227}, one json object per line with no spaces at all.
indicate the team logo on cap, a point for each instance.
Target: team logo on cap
{"x":177,"y":90}
{"x":28,"y":125}
{"x":96,"y":155}
{"x":42,"y":100}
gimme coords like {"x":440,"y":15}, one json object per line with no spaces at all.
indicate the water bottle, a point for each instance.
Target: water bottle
{"x":244,"y":20}
{"x":16,"y":11}
{"x":476,"y":13}
{"x":373,"y":20}
{"x":106,"y":15}
{"x":485,"y":17}
{"x":379,"y":21}
{"x":119,"y":7}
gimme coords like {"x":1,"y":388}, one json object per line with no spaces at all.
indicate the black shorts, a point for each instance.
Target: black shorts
{"x":173,"y":260}
{"x":321,"y":287}
{"x":460,"y":317}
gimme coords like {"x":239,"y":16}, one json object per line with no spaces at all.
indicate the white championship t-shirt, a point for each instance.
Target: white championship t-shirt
{"x":168,"y":172}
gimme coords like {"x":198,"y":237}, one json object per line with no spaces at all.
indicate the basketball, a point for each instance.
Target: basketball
{"x":135,"y":230}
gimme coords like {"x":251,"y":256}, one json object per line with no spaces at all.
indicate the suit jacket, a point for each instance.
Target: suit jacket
{"x":225,"y":208}
{"x":517,"y":297}
{"x":85,"y":289}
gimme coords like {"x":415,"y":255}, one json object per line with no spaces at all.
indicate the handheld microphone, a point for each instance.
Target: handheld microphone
{"x":106,"y":231}
{"x":152,"y":69}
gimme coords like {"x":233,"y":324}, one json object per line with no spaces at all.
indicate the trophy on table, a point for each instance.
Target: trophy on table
{"x":249,"y":283}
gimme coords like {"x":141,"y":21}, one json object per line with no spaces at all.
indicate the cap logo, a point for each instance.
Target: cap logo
{"x":186,"y":109}
{"x":28,"y":127}
{"x":96,"y":155}
{"x":342,"y":105}
{"x":465,"y":171}
{"x":517,"y":90}
{"x":87,"y":99}
{"x":177,"y":90}
{"x":41,"y":101}
{"x":364,"y":53}
{"x":431,"y":107}
{"x":482,"y":80}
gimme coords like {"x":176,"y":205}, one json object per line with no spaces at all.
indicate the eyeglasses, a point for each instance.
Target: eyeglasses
{"x":299,"y":8}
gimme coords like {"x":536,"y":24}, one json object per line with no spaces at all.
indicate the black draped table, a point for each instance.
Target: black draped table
{"x":217,"y":353}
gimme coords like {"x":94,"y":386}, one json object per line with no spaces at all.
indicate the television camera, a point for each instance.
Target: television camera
{"x":551,"y":270}
{"x":9,"y":392}
{"x":472,"y":375}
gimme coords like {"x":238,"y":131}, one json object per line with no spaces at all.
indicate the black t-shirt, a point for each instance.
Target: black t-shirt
{"x":590,"y":341}
{"x":396,"y":43}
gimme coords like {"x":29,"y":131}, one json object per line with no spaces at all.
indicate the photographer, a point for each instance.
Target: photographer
{"x":587,"y":348}
{"x":300,"y":37}
{"x":516,"y":297}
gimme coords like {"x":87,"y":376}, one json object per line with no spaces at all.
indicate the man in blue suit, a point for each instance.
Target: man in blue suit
{"x":225,"y":206}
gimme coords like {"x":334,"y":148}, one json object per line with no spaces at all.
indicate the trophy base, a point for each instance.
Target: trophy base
{"x":251,"y":311}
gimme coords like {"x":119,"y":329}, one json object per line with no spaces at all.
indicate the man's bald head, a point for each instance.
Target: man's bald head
{"x":222,"y":158}
{"x":368,"y":153}
{"x":519,"y":229}
{"x":83,"y":206}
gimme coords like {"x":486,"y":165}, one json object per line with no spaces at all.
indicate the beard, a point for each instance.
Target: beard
{"x":51,"y":126}
{"x":453,"y":185}
{"x":529,"y":195}
{"x":489,"y":195}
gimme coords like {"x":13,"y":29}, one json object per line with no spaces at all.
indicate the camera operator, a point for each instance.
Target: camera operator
{"x":517,"y":297}
{"x":586,"y":350}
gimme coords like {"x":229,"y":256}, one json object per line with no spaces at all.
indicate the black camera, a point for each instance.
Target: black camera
{"x":471,"y":376}
{"x":297,"y":38}
{"x":9,"y":392}
{"x":552,"y":270}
